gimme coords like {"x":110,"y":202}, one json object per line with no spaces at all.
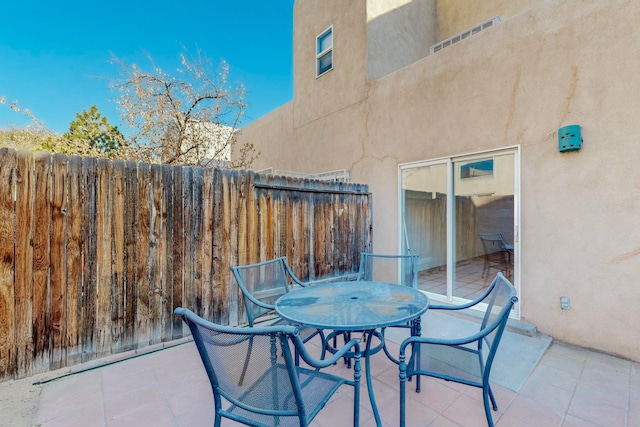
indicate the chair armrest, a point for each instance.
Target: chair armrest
{"x":257,"y":302}
{"x":453,"y":341}
{"x":324,"y":363}
{"x":439,"y":341}
{"x":450,"y":307}
{"x":293,"y":277}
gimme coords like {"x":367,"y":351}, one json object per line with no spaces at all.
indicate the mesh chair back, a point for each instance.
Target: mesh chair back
{"x":496,"y":252}
{"x":499,"y":298}
{"x":493,"y":241}
{"x":261,"y":284}
{"x":250,"y":367}
{"x":400,"y":269}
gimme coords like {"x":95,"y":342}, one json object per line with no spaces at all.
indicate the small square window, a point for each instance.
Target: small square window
{"x":477,"y":169}
{"x":324,"y":52}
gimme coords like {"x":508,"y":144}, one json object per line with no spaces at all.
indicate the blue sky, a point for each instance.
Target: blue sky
{"x":54,"y":53}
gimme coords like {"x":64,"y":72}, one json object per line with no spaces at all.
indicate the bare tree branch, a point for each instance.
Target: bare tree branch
{"x":190,"y":119}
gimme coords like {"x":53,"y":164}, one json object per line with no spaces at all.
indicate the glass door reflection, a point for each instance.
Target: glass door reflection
{"x":460,"y":215}
{"x":483,"y":221}
{"x":424,"y":225}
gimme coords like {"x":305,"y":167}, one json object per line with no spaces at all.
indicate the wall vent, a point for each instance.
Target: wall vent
{"x":465,"y":34}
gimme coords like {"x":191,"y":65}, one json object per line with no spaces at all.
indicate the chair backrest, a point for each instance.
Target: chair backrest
{"x":262,"y":284}
{"x":400,"y":269}
{"x":492,"y":242}
{"x":499,"y":298}
{"x":250,"y":367}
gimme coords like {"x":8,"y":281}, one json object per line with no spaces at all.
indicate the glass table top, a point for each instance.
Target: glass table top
{"x":354,"y":305}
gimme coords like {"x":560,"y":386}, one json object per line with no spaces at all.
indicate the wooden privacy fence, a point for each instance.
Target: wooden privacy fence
{"x":96,"y":254}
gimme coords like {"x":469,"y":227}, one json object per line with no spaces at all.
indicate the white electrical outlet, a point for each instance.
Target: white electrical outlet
{"x":565,"y":304}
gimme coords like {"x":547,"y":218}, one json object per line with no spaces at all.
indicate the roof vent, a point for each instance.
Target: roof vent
{"x":463,"y":35}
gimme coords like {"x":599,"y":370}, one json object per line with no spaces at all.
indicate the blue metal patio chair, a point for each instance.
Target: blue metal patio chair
{"x":253,"y":370}
{"x":498,"y":253}
{"x":262,"y":284}
{"x":463,"y":359}
{"x":398,"y":269}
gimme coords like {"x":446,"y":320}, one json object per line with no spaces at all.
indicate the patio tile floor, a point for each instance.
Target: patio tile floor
{"x":569,"y":387}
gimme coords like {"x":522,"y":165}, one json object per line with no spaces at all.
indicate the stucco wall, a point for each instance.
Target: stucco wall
{"x":270,"y":135}
{"x":343,"y":86}
{"x":516,"y":84}
{"x":399,"y":32}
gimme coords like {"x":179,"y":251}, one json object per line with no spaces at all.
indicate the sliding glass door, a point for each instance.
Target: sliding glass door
{"x":460,"y":215}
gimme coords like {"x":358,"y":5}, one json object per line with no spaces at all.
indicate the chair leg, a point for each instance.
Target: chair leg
{"x":417,"y":331}
{"x":486,"y":395}
{"x":403,"y":390}
{"x":246,"y":362}
{"x":217,"y":407}
{"x":485,"y":266}
{"x":494,"y":405}
{"x":323,"y":340}
{"x":347,"y":338}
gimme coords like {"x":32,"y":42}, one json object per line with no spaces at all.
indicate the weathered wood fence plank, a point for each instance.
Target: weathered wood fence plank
{"x":118,"y":255}
{"x":41,"y":326}
{"x":143,"y":249}
{"x":157,"y":252}
{"x":74,"y":263}
{"x":23,"y":285}
{"x":58,"y":265}
{"x":88,"y":300}
{"x":131,"y":280}
{"x":8,"y":359}
{"x":96,"y":254}
{"x":207,"y":243}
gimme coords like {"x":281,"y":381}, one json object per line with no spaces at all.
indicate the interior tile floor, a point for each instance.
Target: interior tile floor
{"x":568,"y":387}
{"x":469,"y":283}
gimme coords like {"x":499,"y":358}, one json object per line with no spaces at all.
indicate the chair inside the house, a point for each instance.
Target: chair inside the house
{"x":498,"y":254}
{"x":266,"y":388}
{"x":262,"y":284}
{"x":398,"y":269}
{"x":463,"y":358}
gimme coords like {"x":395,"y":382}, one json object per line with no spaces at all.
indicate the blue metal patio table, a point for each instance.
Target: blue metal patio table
{"x":354,"y":306}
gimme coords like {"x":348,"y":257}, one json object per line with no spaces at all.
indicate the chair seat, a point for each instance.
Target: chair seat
{"x":447,"y":362}
{"x":316,"y":386}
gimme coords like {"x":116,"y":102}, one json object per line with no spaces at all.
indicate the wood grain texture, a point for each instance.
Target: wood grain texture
{"x":74,"y":262}
{"x":143,"y":249}
{"x":23,"y":285}
{"x":58,"y":265}
{"x":8,"y":360}
{"x":95,"y":254}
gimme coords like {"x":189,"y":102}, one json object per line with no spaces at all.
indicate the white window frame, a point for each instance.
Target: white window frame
{"x":322,"y":54}
{"x":516,"y":150}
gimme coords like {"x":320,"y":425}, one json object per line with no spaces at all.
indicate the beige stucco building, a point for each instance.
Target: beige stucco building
{"x":451,"y":110}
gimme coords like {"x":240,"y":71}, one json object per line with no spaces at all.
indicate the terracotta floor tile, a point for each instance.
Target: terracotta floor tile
{"x":468,"y":412}
{"x":529,"y":410}
{"x":569,"y":387}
